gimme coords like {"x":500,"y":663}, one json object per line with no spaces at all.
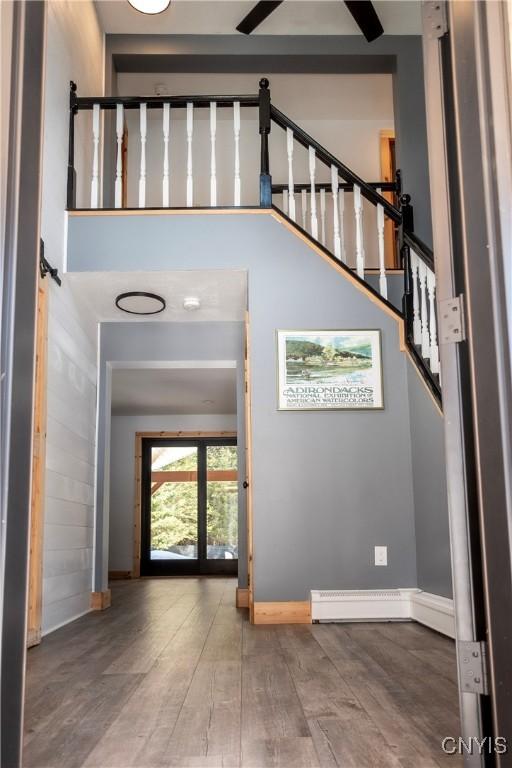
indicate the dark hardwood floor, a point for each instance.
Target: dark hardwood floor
{"x":173,"y":675}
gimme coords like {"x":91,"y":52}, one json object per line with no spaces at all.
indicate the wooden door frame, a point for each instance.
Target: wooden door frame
{"x":137,"y":523}
{"x":37,"y":503}
{"x":386,"y":174}
{"x":249,"y":601}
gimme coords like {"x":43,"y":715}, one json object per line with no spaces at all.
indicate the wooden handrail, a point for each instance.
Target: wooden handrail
{"x":420,"y":248}
{"x":328,"y":159}
{"x":384,"y":186}
{"x":157,"y":102}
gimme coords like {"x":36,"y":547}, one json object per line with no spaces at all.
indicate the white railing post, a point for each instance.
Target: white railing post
{"x":213,"y":160}
{"x":341,"y":199}
{"x":383,"y":281}
{"x":335,"y":211}
{"x":166,"y":123}
{"x":95,"y":180}
{"x":190,"y":131}
{"x":143,"y":137}
{"x":416,"y":325}
{"x":425,"y":336}
{"x":236,"y":129}
{"x":322,"y":215}
{"x":291,"y":189}
{"x":118,"y":191}
{"x":304,"y":208}
{"x":285,"y":201}
{"x":434,"y":349}
{"x":358,"y":210}
{"x":312,"y":169}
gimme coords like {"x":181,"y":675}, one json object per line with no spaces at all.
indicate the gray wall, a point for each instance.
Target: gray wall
{"x":327,"y":487}
{"x":122,"y":477}
{"x":126,"y":344}
{"x":400,"y":55}
{"x":430,"y":494}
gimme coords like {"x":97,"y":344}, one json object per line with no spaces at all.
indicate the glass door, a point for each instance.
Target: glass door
{"x":189,"y":507}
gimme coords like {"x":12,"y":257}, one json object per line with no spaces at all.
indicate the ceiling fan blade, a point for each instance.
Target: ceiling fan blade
{"x":366,"y":18}
{"x":258,"y":14}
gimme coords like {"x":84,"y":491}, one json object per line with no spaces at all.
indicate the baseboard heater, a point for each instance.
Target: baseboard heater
{"x":331,"y":605}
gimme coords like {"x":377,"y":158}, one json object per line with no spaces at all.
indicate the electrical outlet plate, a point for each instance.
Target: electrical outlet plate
{"x":381,"y":555}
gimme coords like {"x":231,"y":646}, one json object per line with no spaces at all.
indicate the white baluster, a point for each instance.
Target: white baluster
{"x":335,"y":211}
{"x":236,"y":129}
{"x":322,"y":215}
{"x":118,"y":191}
{"x":383,"y":280}
{"x":190,"y":131}
{"x":425,"y":336}
{"x":416,"y":326}
{"x":341,"y":199}
{"x":304,"y":207}
{"x":213,"y":161}
{"x":358,"y":210}
{"x":143,"y":137}
{"x":165,"y":178}
{"x":285,"y":201}
{"x":434,"y":349}
{"x":314,"y":220}
{"x":291,"y":189}
{"x":95,"y":181}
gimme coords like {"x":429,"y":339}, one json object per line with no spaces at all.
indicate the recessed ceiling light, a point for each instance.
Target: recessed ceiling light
{"x":150,"y":6}
{"x":191,"y":303}
{"x":140,"y":303}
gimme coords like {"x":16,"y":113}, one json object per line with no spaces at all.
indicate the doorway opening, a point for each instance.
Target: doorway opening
{"x":189,"y":495}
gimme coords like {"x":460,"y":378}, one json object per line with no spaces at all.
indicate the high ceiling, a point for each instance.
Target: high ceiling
{"x":174,"y":391}
{"x":220,"y":17}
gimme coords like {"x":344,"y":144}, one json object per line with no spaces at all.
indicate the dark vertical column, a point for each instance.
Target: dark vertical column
{"x":19,"y":291}
{"x":71,"y":190}
{"x":265,"y":125}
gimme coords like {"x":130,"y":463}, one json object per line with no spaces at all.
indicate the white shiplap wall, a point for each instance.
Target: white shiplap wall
{"x":74,"y":52}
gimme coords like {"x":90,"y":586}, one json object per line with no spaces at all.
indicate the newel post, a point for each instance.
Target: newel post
{"x":407,"y":223}
{"x":71,"y":185}
{"x":265,"y":123}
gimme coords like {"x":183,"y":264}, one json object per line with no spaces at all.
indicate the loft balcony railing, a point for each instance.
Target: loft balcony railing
{"x":219,"y":151}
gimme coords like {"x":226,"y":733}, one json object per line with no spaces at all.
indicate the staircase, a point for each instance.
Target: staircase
{"x":316,"y":207}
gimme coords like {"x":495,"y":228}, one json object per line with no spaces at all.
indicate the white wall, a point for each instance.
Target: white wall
{"x":122,"y":478}
{"x":345,"y":113}
{"x":74,"y":52}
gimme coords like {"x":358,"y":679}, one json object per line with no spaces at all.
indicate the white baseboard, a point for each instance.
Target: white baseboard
{"x":384,"y":605}
{"x":434,"y":611}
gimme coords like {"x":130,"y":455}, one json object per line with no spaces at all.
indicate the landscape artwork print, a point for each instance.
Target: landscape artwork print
{"x":321,"y":370}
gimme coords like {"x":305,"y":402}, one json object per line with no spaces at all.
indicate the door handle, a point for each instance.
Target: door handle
{"x":245,"y":484}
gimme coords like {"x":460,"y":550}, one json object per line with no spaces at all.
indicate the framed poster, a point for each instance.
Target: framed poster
{"x":324,"y":370}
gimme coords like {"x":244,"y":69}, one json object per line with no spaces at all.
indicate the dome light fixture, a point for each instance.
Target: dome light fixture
{"x":191,"y":304}
{"x":140,"y":303}
{"x":151,"y":7}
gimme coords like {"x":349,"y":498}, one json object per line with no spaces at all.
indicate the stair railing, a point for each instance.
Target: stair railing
{"x":318,"y":207}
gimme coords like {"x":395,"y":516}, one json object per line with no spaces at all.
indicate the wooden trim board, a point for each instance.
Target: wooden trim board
{"x":35,"y":583}
{"x":137,"y":521}
{"x":168,"y":211}
{"x":242,"y":597}
{"x":292,"y":612}
{"x":248,"y":468}
{"x":100,"y":601}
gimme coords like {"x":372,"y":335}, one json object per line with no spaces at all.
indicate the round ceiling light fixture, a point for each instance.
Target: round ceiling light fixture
{"x":191,"y":303}
{"x":150,"y":7}
{"x":140,"y":303}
